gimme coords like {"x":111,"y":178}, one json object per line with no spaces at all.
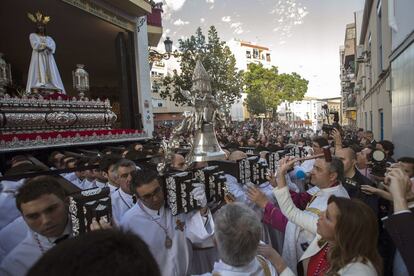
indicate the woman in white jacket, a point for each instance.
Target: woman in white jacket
{"x":346,"y":240}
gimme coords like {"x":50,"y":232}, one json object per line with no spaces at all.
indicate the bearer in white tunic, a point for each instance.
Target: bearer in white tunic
{"x":122,"y":199}
{"x":26,"y":253}
{"x":46,"y":214}
{"x":166,"y":235}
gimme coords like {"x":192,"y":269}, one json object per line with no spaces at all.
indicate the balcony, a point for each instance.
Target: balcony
{"x":154,"y":25}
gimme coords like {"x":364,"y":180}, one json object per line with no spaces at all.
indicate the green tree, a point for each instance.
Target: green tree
{"x":217,"y":60}
{"x":266,"y":88}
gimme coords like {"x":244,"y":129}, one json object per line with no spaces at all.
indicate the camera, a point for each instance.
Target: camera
{"x":378,"y":162}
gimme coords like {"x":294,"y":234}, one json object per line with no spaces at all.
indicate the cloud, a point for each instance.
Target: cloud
{"x":286,"y":15}
{"x":175,"y":5}
{"x":237,"y":26}
{"x":180,"y":22}
{"x":226,"y":19}
{"x":211,"y":2}
{"x":238,"y":31}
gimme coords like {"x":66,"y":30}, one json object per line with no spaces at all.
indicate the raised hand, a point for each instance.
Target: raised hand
{"x":256,"y":196}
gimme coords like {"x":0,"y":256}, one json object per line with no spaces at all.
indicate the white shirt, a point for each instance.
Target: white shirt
{"x":121,"y":202}
{"x":72,"y":177}
{"x":8,"y":209}
{"x":11,"y":236}
{"x":27,"y":252}
{"x":174,"y":261}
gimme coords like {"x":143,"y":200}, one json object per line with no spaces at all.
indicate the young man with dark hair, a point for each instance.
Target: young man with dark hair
{"x":41,"y":202}
{"x":166,"y":235}
{"x":108,"y":169}
{"x":100,"y":253}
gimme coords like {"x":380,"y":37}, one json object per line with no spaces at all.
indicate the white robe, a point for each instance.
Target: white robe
{"x":43,"y":71}
{"x":27,"y":252}
{"x":176,"y":260}
{"x":8,"y":209}
{"x":254,"y":268}
{"x":121,"y":203}
{"x":11,"y":236}
{"x":72,"y":177}
{"x":239,"y":191}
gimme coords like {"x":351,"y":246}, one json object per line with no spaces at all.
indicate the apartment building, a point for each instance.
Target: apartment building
{"x":373,"y":78}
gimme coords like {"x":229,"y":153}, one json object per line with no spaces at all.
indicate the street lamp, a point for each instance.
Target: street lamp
{"x":154,"y":55}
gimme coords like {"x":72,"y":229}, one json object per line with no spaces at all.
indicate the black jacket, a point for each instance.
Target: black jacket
{"x":353,"y":187}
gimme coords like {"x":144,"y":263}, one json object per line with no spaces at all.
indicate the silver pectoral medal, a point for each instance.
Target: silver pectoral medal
{"x":168,"y":242}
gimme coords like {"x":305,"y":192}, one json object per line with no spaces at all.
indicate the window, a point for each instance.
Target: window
{"x":381,"y":123}
{"x":255,"y":53}
{"x":366,"y":120}
{"x":370,"y":119}
{"x":248,"y":54}
{"x":268,"y":57}
{"x":379,"y":37}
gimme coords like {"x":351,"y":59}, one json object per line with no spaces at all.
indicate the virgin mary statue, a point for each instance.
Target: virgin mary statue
{"x":43,"y":72}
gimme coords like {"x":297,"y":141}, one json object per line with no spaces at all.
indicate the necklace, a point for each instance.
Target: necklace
{"x":168,"y":241}
{"x":42,"y":249}
{"x":319,"y":269}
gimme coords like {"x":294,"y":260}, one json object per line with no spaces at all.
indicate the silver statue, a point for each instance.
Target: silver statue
{"x":209,"y":110}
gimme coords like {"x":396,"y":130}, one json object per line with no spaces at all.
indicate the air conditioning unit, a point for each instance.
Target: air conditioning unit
{"x":360,"y":54}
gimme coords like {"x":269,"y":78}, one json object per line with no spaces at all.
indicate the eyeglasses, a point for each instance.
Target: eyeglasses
{"x":150,"y":197}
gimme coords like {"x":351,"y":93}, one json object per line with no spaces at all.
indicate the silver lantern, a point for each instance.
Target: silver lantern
{"x":80,"y":80}
{"x":5,"y":75}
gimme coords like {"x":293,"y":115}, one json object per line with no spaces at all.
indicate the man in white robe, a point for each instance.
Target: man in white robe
{"x":122,"y":199}
{"x":41,"y":202}
{"x":43,"y":71}
{"x":166,"y":235}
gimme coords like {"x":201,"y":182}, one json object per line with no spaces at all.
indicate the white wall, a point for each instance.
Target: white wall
{"x":403,"y":103}
{"x":403,"y":11}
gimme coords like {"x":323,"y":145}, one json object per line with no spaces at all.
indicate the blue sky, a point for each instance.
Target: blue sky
{"x":304,"y":35}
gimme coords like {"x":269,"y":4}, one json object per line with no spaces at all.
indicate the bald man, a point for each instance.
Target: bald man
{"x":178,"y":162}
{"x":354,"y":179}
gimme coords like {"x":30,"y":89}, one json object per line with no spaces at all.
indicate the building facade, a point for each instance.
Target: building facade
{"x":347,"y":76}
{"x":306,"y":113}
{"x":402,"y":71}
{"x":373,"y":81}
{"x":165,"y":111}
{"x":246,"y":53}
